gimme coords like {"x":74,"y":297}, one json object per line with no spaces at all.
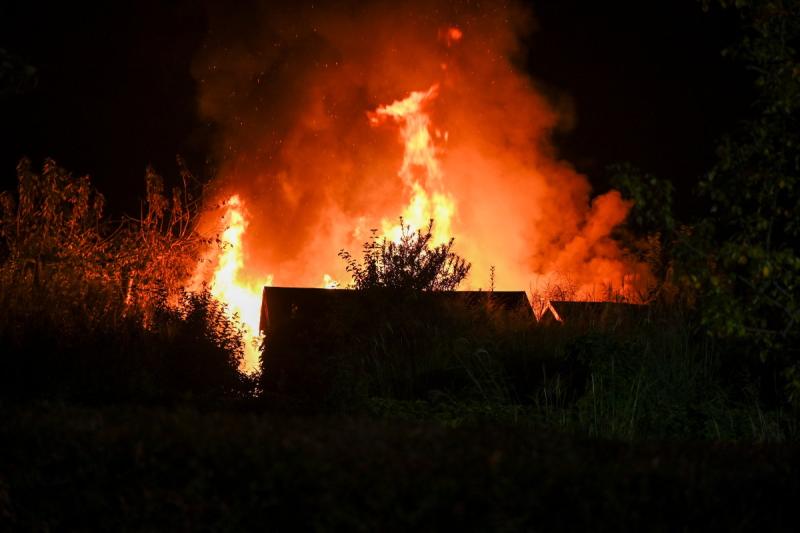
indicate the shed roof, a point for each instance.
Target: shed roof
{"x":566,"y":311}
{"x":281,"y":304}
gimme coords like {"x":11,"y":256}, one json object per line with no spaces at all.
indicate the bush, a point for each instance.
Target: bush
{"x":97,"y":311}
{"x":410,"y":264}
{"x":743,"y":257}
{"x":188,"y":349}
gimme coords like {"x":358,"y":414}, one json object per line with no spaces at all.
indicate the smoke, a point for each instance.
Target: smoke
{"x":289,"y":90}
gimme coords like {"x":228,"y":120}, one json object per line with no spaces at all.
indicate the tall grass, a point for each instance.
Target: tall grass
{"x":95,"y":310}
{"x":646,"y":373}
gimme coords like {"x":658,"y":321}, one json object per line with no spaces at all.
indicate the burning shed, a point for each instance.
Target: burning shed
{"x":281,"y":306}
{"x":314,"y":336}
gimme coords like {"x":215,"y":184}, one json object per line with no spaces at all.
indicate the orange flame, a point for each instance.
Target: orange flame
{"x":420,"y":171}
{"x":315,"y":171}
{"x":450,"y":35}
{"x":229,"y":284}
{"x":454,"y":34}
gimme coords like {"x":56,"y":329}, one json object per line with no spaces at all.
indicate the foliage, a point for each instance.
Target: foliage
{"x":54,"y":228}
{"x":188,"y":349}
{"x":91,"y":309}
{"x":412,"y":263}
{"x":643,"y":373}
{"x":744,"y":256}
{"x":155,"y":469}
{"x":54,"y":232}
{"x":160,"y":250}
{"x":650,"y":229}
{"x":652,"y":197}
{"x":16,"y":76}
{"x":198,"y":348}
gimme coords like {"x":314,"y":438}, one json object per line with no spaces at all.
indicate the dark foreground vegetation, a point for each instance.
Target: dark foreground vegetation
{"x":642,"y":375}
{"x":392,"y":414}
{"x":67,"y":468}
{"x":122,"y":407}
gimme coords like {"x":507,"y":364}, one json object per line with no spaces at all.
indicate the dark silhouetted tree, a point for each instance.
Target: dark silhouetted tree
{"x":744,"y":256}
{"x":412,"y":263}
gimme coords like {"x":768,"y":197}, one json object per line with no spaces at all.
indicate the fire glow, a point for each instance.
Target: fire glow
{"x":320,"y":164}
{"x":229,"y":284}
{"x":420,"y":170}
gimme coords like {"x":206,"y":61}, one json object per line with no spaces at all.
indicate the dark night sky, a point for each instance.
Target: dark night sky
{"x":646,"y":82}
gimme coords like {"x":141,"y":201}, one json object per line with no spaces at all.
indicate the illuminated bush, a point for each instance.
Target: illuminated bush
{"x":411,"y":263}
{"x":97,"y":310}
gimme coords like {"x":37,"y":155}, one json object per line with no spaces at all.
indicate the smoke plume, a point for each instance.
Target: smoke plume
{"x":290,"y":90}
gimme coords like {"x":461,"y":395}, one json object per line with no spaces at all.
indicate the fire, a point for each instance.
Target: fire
{"x":454,"y":34}
{"x":450,"y":35}
{"x":420,"y":170}
{"x":477,"y":157}
{"x":230,"y":285}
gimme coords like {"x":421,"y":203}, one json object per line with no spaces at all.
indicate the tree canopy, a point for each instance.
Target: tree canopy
{"x":742,"y":258}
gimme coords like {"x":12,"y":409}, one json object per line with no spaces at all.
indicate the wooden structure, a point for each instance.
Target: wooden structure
{"x":282,"y":305}
{"x":596,"y":313}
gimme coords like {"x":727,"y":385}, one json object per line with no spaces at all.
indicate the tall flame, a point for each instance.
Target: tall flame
{"x":298,"y":148}
{"x":420,"y":171}
{"x":230,"y":285}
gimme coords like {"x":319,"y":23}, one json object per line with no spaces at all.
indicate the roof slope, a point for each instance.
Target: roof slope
{"x":281,"y":304}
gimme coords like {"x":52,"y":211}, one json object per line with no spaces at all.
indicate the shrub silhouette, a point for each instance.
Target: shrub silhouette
{"x":198,"y":348}
{"x":303,"y":359}
{"x":93,"y":309}
{"x":412,"y":263}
